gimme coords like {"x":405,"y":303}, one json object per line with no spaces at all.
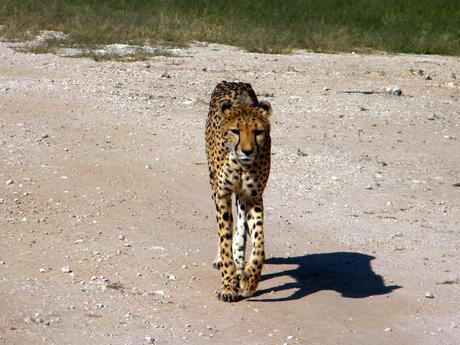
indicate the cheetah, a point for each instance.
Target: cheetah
{"x":238,"y":148}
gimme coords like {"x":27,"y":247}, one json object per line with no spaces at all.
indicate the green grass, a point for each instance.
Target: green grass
{"x":271,"y":26}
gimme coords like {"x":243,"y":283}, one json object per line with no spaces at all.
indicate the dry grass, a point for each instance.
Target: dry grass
{"x":411,"y":26}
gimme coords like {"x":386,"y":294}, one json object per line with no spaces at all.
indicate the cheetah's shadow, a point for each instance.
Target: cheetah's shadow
{"x":345,"y":272}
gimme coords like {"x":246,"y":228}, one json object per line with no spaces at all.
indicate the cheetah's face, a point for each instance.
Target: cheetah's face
{"x":246,"y":129}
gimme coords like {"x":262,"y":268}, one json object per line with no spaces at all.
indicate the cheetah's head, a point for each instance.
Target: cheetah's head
{"x":246,"y":129}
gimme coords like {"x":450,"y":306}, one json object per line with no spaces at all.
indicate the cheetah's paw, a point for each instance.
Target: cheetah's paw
{"x":228,"y":294}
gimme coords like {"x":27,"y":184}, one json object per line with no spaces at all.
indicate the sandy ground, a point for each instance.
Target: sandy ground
{"x":107,"y":227}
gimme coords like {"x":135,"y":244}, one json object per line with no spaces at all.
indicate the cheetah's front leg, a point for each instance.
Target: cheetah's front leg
{"x":228,"y":289}
{"x":253,"y":269}
{"x":239,"y":237}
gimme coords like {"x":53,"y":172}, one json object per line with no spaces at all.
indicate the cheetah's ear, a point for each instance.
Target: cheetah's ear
{"x":265,"y":108}
{"x":224,"y":106}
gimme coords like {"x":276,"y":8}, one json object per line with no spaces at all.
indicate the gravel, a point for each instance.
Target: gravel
{"x":353,"y":252}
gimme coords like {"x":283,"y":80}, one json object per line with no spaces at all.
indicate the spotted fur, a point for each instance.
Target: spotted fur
{"x":238,"y":151}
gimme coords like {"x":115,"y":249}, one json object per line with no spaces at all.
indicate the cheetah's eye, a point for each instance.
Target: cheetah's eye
{"x":235,"y":131}
{"x":258,"y":132}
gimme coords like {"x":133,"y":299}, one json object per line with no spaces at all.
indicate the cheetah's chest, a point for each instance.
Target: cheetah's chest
{"x":237,"y":179}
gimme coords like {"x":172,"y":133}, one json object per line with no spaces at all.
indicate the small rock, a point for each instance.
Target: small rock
{"x":160,"y":293}
{"x":44,"y":136}
{"x":121,"y":237}
{"x":146,"y":65}
{"x":9,"y":181}
{"x":188,"y":102}
{"x":99,"y":305}
{"x":428,"y":77}
{"x":394,"y":90}
{"x":149,"y":340}
{"x":1,"y":200}
{"x":43,"y":270}
{"x":165,"y":75}
{"x":429,"y":295}
{"x":326,"y":88}
{"x":433,"y":117}
{"x":66,"y":269}
{"x":387,"y":329}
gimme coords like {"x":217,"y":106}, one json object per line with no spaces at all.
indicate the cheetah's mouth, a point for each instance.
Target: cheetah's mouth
{"x":245,"y":160}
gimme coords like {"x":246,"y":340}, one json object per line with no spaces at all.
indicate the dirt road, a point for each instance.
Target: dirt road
{"x":107,"y":228}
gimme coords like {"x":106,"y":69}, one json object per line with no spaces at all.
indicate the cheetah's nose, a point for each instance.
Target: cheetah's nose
{"x":247,"y":152}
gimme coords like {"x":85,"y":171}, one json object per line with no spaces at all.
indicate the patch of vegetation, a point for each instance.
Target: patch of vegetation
{"x":449,"y":282}
{"x":139,"y":55}
{"x":116,"y":286}
{"x":266,"y":94}
{"x":270,"y":26}
{"x":41,"y":49}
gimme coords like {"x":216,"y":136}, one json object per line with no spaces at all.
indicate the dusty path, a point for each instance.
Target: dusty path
{"x":102,"y":170}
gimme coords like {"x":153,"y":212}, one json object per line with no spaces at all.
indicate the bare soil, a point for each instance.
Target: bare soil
{"x":107,"y":228}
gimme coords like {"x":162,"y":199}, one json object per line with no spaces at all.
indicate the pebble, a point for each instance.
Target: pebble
{"x":188,"y":102}
{"x":66,"y":269}
{"x":429,"y":295}
{"x":159,"y":293}
{"x":1,"y":200}
{"x":35,"y":318}
{"x":387,"y":329}
{"x":9,"y":181}
{"x":43,"y":270}
{"x":433,"y":117}
{"x":394,"y":90}
{"x":165,"y":75}
{"x":149,"y":340}
{"x":121,"y":237}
